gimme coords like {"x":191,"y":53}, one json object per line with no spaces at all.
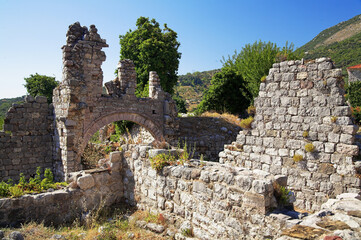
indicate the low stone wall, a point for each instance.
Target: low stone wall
{"x":301,"y":104}
{"x":207,"y":135}
{"x":26,"y":142}
{"x":85,"y":193}
{"x":214,"y":200}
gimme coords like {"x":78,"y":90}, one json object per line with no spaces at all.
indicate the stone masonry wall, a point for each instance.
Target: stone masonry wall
{"x":300,"y":104}
{"x":216,"y":201}
{"x":354,"y":73}
{"x":86,"y":192}
{"x":206,"y":135}
{"x":26,"y":142}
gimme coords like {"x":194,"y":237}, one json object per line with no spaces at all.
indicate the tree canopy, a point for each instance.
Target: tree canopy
{"x":152,"y":49}
{"x":254,"y":62}
{"x":40,"y":85}
{"x":236,"y":86}
{"x":227,"y":93}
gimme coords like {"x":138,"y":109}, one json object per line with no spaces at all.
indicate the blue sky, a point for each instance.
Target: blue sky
{"x":32,"y":32}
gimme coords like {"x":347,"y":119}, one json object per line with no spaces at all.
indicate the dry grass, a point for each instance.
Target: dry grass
{"x":118,"y":228}
{"x":234,"y":119}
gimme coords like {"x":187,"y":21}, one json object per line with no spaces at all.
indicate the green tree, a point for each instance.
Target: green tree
{"x":152,"y":49}
{"x":181,"y":104}
{"x":227,"y":93}
{"x":254,"y":62}
{"x":41,"y":85}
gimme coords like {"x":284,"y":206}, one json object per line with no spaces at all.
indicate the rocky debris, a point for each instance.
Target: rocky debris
{"x":303,"y":232}
{"x":157,"y":228}
{"x":57,"y":236}
{"x":16,"y":236}
{"x":338,"y":219}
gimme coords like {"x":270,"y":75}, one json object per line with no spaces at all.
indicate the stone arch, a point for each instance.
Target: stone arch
{"x":100,"y":122}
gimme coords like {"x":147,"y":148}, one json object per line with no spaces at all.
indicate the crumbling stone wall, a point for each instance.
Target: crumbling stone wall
{"x":300,"y":104}
{"x":81,"y":109}
{"x":217,"y":201}
{"x":26,"y":142}
{"x":89,"y":189}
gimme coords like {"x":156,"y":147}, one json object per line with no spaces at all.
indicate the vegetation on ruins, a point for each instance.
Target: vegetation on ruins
{"x":152,"y":49}
{"x":309,"y":147}
{"x":115,"y":222}
{"x":246,"y":123}
{"x":162,"y":160}
{"x":37,"y":184}
{"x":297,"y":157}
{"x":40,"y":85}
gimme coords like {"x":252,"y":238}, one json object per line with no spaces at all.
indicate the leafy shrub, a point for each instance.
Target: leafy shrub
{"x":246,"y":123}
{"x":297,"y":157}
{"x":356,"y":113}
{"x":5,"y":188}
{"x":283,"y":195}
{"x":354,"y":98}
{"x":354,"y":95}
{"x":309,"y":147}
{"x":161,"y":160}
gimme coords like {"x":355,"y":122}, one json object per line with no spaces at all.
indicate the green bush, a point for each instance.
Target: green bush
{"x":34,"y":185}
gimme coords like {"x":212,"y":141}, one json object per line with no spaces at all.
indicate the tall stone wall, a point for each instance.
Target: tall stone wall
{"x":26,"y":142}
{"x":301,"y":104}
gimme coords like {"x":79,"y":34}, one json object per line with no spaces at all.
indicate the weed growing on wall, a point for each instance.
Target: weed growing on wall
{"x":161,"y":160}
{"x":246,"y":123}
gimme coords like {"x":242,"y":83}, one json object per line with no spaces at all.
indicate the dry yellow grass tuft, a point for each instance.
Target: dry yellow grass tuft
{"x":234,"y":119}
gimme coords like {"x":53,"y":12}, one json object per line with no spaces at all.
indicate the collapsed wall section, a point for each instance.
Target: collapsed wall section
{"x":26,"y":142}
{"x":216,"y":201}
{"x":302,"y":104}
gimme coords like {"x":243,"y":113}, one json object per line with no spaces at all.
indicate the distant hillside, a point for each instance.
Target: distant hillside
{"x":342,"y":43}
{"x":336,"y":33}
{"x":192,"y":86}
{"x":6,"y":103}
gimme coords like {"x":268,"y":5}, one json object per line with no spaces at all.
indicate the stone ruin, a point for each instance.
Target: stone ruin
{"x":81,"y":108}
{"x":299,"y":103}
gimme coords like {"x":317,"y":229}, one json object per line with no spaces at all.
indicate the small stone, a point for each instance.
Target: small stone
{"x":16,"y":236}
{"x":155,"y":227}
